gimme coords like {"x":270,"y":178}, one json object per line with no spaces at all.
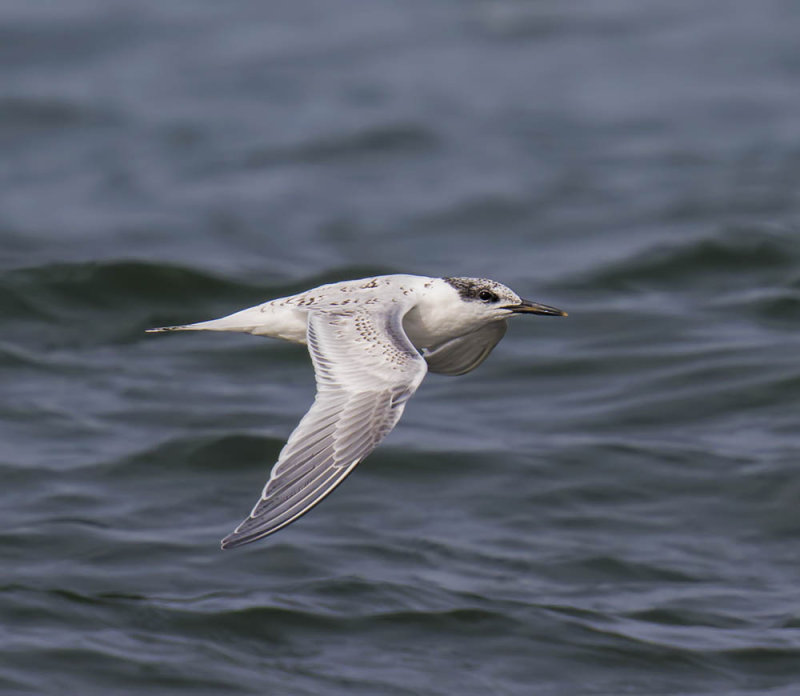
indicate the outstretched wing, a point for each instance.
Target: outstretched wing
{"x":465,"y":353}
{"x":366,"y":369}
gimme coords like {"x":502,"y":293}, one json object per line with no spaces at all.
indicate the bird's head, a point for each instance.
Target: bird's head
{"x":492,"y":301}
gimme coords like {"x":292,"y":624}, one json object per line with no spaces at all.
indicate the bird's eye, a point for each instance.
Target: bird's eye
{"x":487,"y":296}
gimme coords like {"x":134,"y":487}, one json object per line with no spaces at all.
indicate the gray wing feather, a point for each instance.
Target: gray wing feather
{"x":465,"y":353}
{"x":366,"y":369}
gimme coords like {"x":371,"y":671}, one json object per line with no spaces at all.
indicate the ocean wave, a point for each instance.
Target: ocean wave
{"x":12,"y":356}
{"x":103,"y":284}
{"x":196,"y":454}
{"x":731,"y":255}
{"x":29,"y":113}
{"x":383,"y":140}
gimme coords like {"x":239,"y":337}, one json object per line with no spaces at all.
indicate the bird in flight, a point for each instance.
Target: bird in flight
{"x":371,"y":342}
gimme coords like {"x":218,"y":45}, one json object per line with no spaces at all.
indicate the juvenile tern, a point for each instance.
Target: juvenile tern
{"x":371,"y":342}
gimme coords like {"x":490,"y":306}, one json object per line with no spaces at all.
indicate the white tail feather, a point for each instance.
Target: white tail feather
{"x":263,"y":320}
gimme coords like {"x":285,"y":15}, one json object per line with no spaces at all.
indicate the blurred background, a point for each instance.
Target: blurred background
{"x":608,"y":505}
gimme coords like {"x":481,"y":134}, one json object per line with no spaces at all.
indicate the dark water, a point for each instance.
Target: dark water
{"x":609,"y":505}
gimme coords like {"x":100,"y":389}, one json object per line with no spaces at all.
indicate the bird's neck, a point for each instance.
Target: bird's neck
{"x":437,"y":316}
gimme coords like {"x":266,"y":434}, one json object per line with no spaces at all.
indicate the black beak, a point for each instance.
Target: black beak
{"x":528,"y":307}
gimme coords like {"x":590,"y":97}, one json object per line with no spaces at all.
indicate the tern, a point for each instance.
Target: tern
{"x":371,"y":342}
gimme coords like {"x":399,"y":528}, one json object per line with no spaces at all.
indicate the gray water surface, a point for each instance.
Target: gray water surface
{"x":609,"y":505}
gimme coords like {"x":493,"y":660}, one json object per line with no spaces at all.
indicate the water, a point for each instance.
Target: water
{"x":607,"y":506}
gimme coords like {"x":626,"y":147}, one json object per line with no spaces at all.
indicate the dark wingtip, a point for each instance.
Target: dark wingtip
{"x":245,"y":534}
{"x":162,"y":329}
{"x":233,"y":540}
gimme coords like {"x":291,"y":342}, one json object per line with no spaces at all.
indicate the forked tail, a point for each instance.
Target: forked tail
{"x":245,"y":321}
{"x":201,"y":326}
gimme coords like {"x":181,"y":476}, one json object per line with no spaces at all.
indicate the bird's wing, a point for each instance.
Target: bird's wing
{"x":465,"y":353}
{"x":366,"y":369}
